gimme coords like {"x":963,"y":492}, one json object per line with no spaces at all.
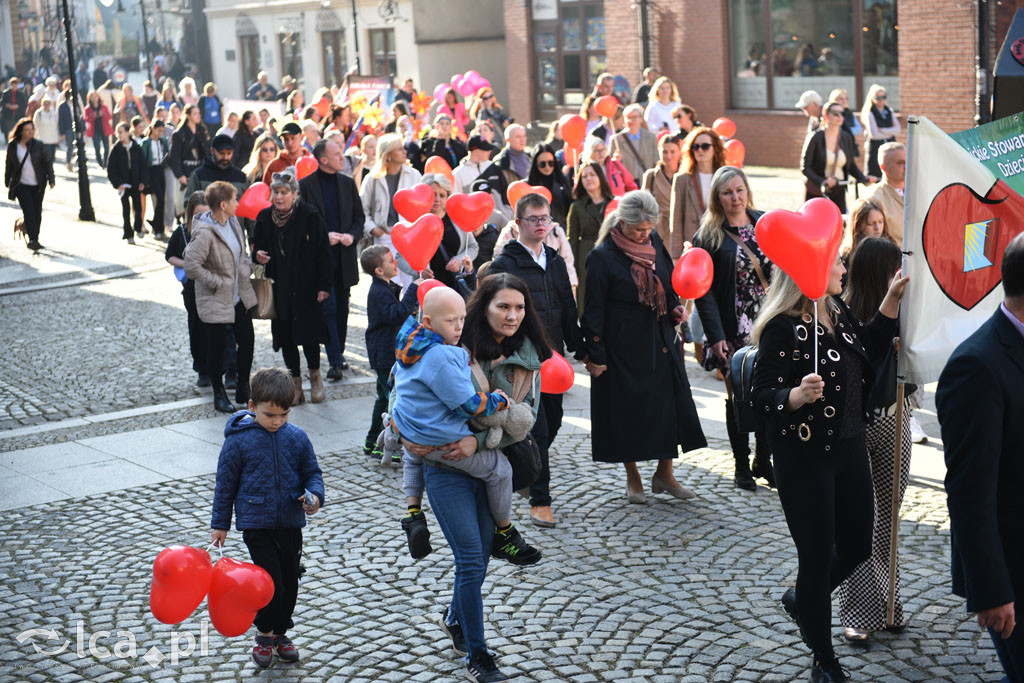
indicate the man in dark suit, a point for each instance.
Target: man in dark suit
{"x":336,"y":196}
{"x":980,"y":406}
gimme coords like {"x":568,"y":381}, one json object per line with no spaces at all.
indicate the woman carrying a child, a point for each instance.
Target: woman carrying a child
{"x":504,"y":338}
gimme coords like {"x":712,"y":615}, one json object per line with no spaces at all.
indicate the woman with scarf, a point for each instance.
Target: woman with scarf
{"x":291,"y":241}
{"x":880,"y":126}
{"x":640,"y":402}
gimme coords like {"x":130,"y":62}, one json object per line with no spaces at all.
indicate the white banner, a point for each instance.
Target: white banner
{"x":957,"y":220}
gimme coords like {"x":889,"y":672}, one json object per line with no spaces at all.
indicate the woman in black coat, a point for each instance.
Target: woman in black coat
{"x":728,"y":310}
{"x":290,"y":239}
{"x":640,"y":402}
{"x":190,"y":145}
{"x":27,"y":171}
{"x":442,"y":144}
{"x":126,"y":170}
{"x":829,"y":157}
{"x":545,"y":171}
{"x":815,"y":415}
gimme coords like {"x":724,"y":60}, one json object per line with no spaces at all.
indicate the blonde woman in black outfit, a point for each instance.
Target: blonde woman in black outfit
{"x":830,"y":157}
{"x":815,"y":419}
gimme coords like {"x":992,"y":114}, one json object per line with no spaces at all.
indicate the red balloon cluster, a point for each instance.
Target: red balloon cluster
{"x":235,"y":591}
{"x":253,"y":200}
{"x":693,"y":274}
{"x":556,"y":375}
{"x":413,"y":202}
{"x":803,"y":244}
{"x":419,"y":241}
{"x":469,"y":211}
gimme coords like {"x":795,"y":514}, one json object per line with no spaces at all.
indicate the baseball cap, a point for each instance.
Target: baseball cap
{"x":477,"y":142}
{"x":291,"y":128}
{"x":222,"y":142}
{"x":808,"y":97}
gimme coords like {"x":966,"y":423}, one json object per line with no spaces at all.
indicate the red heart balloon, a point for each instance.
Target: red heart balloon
{"x":440,"y":166}
{"x":419,"y":241}
{"x":426,"y":286}
{"x":735,"y":153}
{"x":519,"y":188}
{"x":803,"y":244}
{"x":556,"y":375}
{"x":606,"y":106}
{"x":964,"y":237}
{"x":469,"y":211}
{"x":253,"y":200}
{"x":181,"y":579}
{"x":237,"y":592}
{"x":612,"y":205}
{"x":573,"y":128}
{"x":724,"y":127}
{"x":413,"y":202}
{"x":692,"y":276}
{"x":305,"y":166}
{"x":323,"y":106}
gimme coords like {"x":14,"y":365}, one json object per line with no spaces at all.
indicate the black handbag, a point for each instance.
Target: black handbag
{"x":883,"y":391}
{"x":741,"y":379}
{"x":524,"y":456}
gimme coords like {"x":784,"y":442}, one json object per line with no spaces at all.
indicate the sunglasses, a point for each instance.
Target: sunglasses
{"x":545,"y":164}
{"x":833,"y":112}
{"x":283,"y":176}
{"x":681,"y":115}
{"x":880,"y":97}
{"x":487,"y":97}
{"x":701,"y":146}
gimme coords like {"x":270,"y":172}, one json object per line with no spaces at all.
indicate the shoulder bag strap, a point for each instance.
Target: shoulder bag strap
{"x":752,"y":257}
{"x":629,"y":143}
{"x":481,"y":378}
{"x":700,"y":194}
{"x":521,"y":384}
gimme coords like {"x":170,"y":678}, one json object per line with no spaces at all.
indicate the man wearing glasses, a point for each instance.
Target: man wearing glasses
{"x":635,"y":146}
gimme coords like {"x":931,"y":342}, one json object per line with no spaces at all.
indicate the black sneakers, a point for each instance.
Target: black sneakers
{"x":418,"y":535}
{"x":482,"y":670}
{"x":825,"y":671}
{"x":509,"y":545}
{"x":454,"y":632}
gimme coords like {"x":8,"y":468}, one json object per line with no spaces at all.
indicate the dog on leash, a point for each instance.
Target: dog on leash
{"x":19,"y":229}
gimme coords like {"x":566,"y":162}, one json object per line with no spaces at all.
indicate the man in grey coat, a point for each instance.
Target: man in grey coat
{"x":635,"y":146}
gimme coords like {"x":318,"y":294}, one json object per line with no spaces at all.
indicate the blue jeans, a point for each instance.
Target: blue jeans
{"x":460,"y":505}
{"x":1011,"y":652}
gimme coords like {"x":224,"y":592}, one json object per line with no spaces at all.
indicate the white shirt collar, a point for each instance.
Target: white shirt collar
{"x":542,"y":259}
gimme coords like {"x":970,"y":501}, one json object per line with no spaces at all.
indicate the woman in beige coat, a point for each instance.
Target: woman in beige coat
{"x":217,"y":259}
{"x":658,"y":181}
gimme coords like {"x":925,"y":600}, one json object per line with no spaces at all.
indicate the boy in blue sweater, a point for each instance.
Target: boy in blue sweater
{"x":434,"y":399}
{"x":385,"y":315}
{"x":268,"y":472}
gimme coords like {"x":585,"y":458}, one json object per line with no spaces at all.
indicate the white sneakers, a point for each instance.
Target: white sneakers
{"x":917,"y":434}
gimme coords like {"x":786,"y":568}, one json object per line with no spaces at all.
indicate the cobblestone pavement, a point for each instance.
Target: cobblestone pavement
{"x":665,"y":591}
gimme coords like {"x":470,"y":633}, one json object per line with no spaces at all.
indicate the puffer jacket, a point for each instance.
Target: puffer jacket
{"x":209,"y":261}
{"x":262,"y":475}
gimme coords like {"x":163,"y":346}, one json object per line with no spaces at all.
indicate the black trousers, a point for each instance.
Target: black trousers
{"x":216,"y":340}
{"x":131,"y":200}
{"x":279,"y":552}
{"x":379,"y":406}
{"x":341,"y":298}
{"x":157,"y":188}
{"x":284,"y":334}
{"x":545,"y":429}
{"x":196,"y":330}
{"x":830,"y":509}
{"x":99,"y":142}
{"x":30,"y":197}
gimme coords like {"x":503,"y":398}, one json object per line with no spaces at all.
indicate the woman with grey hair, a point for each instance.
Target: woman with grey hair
{"x":452,"y":263}
{"x":640,"y":402}
{"x":291,"y":241}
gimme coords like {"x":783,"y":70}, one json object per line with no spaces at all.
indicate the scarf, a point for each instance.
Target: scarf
{"x":644,"y":258}
{"x":281,"y":218}
{"x":414,"y":340}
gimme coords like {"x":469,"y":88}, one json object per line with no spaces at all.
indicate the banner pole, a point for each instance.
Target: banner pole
{"x":897,"y":472}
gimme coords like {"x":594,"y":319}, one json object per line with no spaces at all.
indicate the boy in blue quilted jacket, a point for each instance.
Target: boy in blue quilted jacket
{"x":269,"y":474}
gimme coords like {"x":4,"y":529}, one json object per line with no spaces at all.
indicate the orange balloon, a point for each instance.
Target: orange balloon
{"x":573,"y":129}
{"x":572,"y":155}
{"x":556,"y":375}
{"x":322,"y":107}
{"x":724,"y":127}
{"x":735,"y":153}
{"x":305,"y":166}
{"x":606,"y":106}
{"x":521,"y":188}
{"x":439,"y":165}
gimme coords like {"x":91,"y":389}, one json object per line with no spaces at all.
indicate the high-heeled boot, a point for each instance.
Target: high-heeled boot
{"x":317,"y":393}
{"x":220,"y":399}
{"x":300,"y":398}
{"x":740,"y":450}
{"x":763,"y":459}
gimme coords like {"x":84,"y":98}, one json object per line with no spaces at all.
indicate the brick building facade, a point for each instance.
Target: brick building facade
{"x":701,"y":45}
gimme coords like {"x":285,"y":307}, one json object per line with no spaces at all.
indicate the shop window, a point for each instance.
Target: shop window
{"x":291,"y":54}
{"x":780,"y":48}
{"x":249,"y":53}
{"x":569,"y":51}
{"x":335,"y":56}
{"x":382,"y":48}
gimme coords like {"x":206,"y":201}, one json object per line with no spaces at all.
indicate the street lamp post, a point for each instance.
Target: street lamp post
{"x":85,"y":211}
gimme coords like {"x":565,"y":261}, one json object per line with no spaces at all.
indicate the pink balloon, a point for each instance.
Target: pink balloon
{"x":465,"y":87}
{"x":455,"y":79}
{"x":440,"y":90}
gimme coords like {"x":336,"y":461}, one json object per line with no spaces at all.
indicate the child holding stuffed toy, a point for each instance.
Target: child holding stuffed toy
{"x":268,"y":473}
{"x":434,"y":400}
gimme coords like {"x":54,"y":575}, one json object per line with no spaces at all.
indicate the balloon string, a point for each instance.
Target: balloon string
{"x":218,"y":548}
{"x":815,"y":337}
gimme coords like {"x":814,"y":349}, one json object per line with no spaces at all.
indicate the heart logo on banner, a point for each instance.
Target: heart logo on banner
{"x":253,"y":200}
{"x":469,"y":211}
{"x":419,"y":241}
{"x":803,"y":244}
{"x":413,"y":202}
{"x":520,"y":188}
{"x":964,"y":237}
{"x":237,"y":592}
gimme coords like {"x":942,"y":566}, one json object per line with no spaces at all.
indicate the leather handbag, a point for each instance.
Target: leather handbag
{"x":264,"y":288}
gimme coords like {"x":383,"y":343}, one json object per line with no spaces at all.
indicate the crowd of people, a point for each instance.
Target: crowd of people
{"x":585,"y":273}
